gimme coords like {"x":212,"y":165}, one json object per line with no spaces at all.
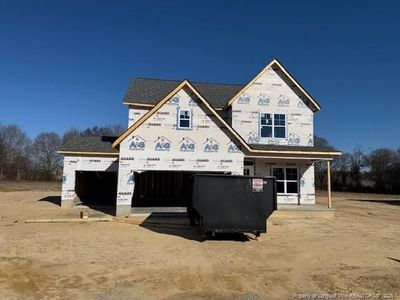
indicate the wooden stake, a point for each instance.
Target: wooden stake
{"x":328,"y":170}
{"x":70,"y":220}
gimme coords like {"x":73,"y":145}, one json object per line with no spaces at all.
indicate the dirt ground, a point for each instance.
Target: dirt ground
{"x":355,"y":255}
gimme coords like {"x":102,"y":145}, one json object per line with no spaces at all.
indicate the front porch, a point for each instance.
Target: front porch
{"x":294,"y":174}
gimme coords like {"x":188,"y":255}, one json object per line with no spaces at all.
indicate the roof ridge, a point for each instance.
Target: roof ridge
{"x":202,"y":82}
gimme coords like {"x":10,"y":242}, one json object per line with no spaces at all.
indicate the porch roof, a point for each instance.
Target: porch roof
{"x":291,"y":148}
{"x":296,"y":152}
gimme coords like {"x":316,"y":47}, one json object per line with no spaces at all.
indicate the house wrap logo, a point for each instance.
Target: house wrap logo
{"x":210,"y":145}
{"x":310,"y":140}
{"x":162,"y":144}
{"x":244,"y":99}
{"x":302,"y":183}
{"x":293,"y":139}
{"x":283,"y":100}
{"x":301,"y":104}
{"x":263,"y":100}
{"x":252,"y":138}
{"x":174,"y":100}
{"x":137,"y":143}
{"x":232,"y":148}
{"x":187,"y":145}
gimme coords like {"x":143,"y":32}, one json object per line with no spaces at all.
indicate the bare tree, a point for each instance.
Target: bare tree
{"x":46,"y":157}
{"x":71,"y":134}
{"x":2,"y":154}
{"x":20,"y":159}
{"x":14,"y":146}
{"x":109,"y":130}
{"x":393,"y":174}
{"x":357,"y":163}
{"x":382,"y":162}
{"x":117,"y":129}
{"x":320,"y":166}
{"x":340,"y":171}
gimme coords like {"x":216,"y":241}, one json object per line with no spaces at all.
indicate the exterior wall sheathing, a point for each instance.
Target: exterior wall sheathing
{"x":270,"y":93}
{"x":82,"y":163}
{"x":158,"y":144}
{"x":135,"y":114}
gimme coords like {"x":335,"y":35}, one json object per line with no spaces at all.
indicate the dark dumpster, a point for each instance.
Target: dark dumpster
{"x":230,"y":203}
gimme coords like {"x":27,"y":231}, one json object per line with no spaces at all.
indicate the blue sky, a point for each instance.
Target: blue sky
{"x":68,"y":63}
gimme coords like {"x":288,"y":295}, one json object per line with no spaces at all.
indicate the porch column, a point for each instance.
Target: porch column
{"x":328,"y":170}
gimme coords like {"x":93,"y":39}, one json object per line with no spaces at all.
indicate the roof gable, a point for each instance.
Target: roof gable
{"x":182,"y":85}
{"x":292,"y":83}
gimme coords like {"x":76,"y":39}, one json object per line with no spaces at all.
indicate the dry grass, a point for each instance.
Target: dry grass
{"x":19,"y":186}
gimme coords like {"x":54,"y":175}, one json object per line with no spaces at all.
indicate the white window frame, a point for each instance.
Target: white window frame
{"x":280,"y":126}
{"x":179,"y":119}
{"x":285,"y":180}
{"x":273,"y":125}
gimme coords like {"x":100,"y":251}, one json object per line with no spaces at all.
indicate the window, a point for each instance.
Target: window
{"x":279,"y":126}
{"x":286,"y":180}
{"x":273,"y":125}
{"x":266,"y":125}
{"x":184,"y":119}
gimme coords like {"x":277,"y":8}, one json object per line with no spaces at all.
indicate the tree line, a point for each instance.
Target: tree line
{"x":359,"y":171}
{"x":24,"y":159}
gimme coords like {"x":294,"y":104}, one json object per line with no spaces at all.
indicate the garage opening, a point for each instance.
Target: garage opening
{"x":96,"y":188}
{"x":162,"y":189}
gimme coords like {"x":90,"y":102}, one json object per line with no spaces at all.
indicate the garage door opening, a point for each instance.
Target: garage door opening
{"x":162,"y":189}
{"x":96,"y":188}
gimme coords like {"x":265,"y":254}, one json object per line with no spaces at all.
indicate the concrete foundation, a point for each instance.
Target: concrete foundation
{"x":303,"y":212}
{"x":123,"y":210}
{"x":68,"y":203}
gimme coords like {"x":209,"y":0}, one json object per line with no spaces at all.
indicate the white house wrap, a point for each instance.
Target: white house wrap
{"x":262,"y":128}
{"x":72,"y":164}
{"x":271,"y":94}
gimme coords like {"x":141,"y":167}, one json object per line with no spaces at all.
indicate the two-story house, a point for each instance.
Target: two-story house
{"x":177,"y":128}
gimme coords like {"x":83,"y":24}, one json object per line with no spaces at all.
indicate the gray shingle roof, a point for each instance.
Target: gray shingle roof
{"x":90,"y":144}
{"x":150,"y":91}
{"x":292,"y":148}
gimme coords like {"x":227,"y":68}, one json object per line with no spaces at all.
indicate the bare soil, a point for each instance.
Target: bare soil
{"x":356,"y":252}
